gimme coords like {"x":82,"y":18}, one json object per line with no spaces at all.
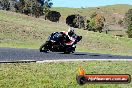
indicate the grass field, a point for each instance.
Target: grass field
{"x":60,"y":74}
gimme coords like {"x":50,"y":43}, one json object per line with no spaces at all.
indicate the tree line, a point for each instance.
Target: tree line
{"x":97,"y":22}
{"x":35,"y":8}
{"x":28,"y":7}
{"x":128,"y":22}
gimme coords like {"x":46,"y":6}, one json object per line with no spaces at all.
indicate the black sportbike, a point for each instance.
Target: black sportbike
{"x":60,"y":42}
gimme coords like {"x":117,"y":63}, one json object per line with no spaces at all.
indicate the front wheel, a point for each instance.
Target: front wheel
{"x":69,"y":50}
{"x":43,"y":48}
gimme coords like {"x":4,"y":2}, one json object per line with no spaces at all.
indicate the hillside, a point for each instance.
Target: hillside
{"x":121,"y":9}
{"x":21,"y":31}
{"x":112,"y":13}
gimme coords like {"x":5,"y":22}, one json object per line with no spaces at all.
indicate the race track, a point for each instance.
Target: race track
{"x":12,"y":54}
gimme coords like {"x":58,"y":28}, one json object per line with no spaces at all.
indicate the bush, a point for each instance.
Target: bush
{"x":120,"y":22}
{"x":35,"y":8}
{"x":128,"y":22}
{"x":76,"y":21}
{"x":129,"y":31}
{"x":128,"y":18}
{"x":4,"y":5}
{"x":53,"y":16}
{"x":91,"y":25}
{"x":96,"y":23}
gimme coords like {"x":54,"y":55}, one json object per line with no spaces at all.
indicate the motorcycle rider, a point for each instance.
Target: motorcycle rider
{"x":73,"y":37}
{"x":69,"y":36}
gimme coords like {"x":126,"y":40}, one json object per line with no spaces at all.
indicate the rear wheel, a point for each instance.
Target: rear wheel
{"x":69,"y":50}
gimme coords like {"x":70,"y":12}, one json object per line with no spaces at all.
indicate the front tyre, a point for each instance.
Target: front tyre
{"x":43,"y":48}
{"x":69,"y":50}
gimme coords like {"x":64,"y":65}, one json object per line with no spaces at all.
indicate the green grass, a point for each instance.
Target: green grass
{"x":60,"y":74}
{"x":21,"y":31}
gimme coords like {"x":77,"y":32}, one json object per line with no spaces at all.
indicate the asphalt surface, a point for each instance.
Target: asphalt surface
{"x":12,"y":54}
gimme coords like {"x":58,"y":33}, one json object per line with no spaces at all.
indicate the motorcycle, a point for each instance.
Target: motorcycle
{"x":60,"y":42}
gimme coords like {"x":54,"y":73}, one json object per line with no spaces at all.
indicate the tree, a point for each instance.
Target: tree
{"x":53,"y":16}
{"x":128,"y":22}
{"x":34,"y":7}
{"x":76,"y":21}
{"x":91,"y":25}
{"x":37,"y":9}
{"x":128,"y":18}
{"x":5,"y":5}
{"x":99,"y":21}
{"x":96,"y":22}
{"x":129,"y":31}
{"x":46,"y":7}
{"x":20,"y":6}
{"x":120,"y":22}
